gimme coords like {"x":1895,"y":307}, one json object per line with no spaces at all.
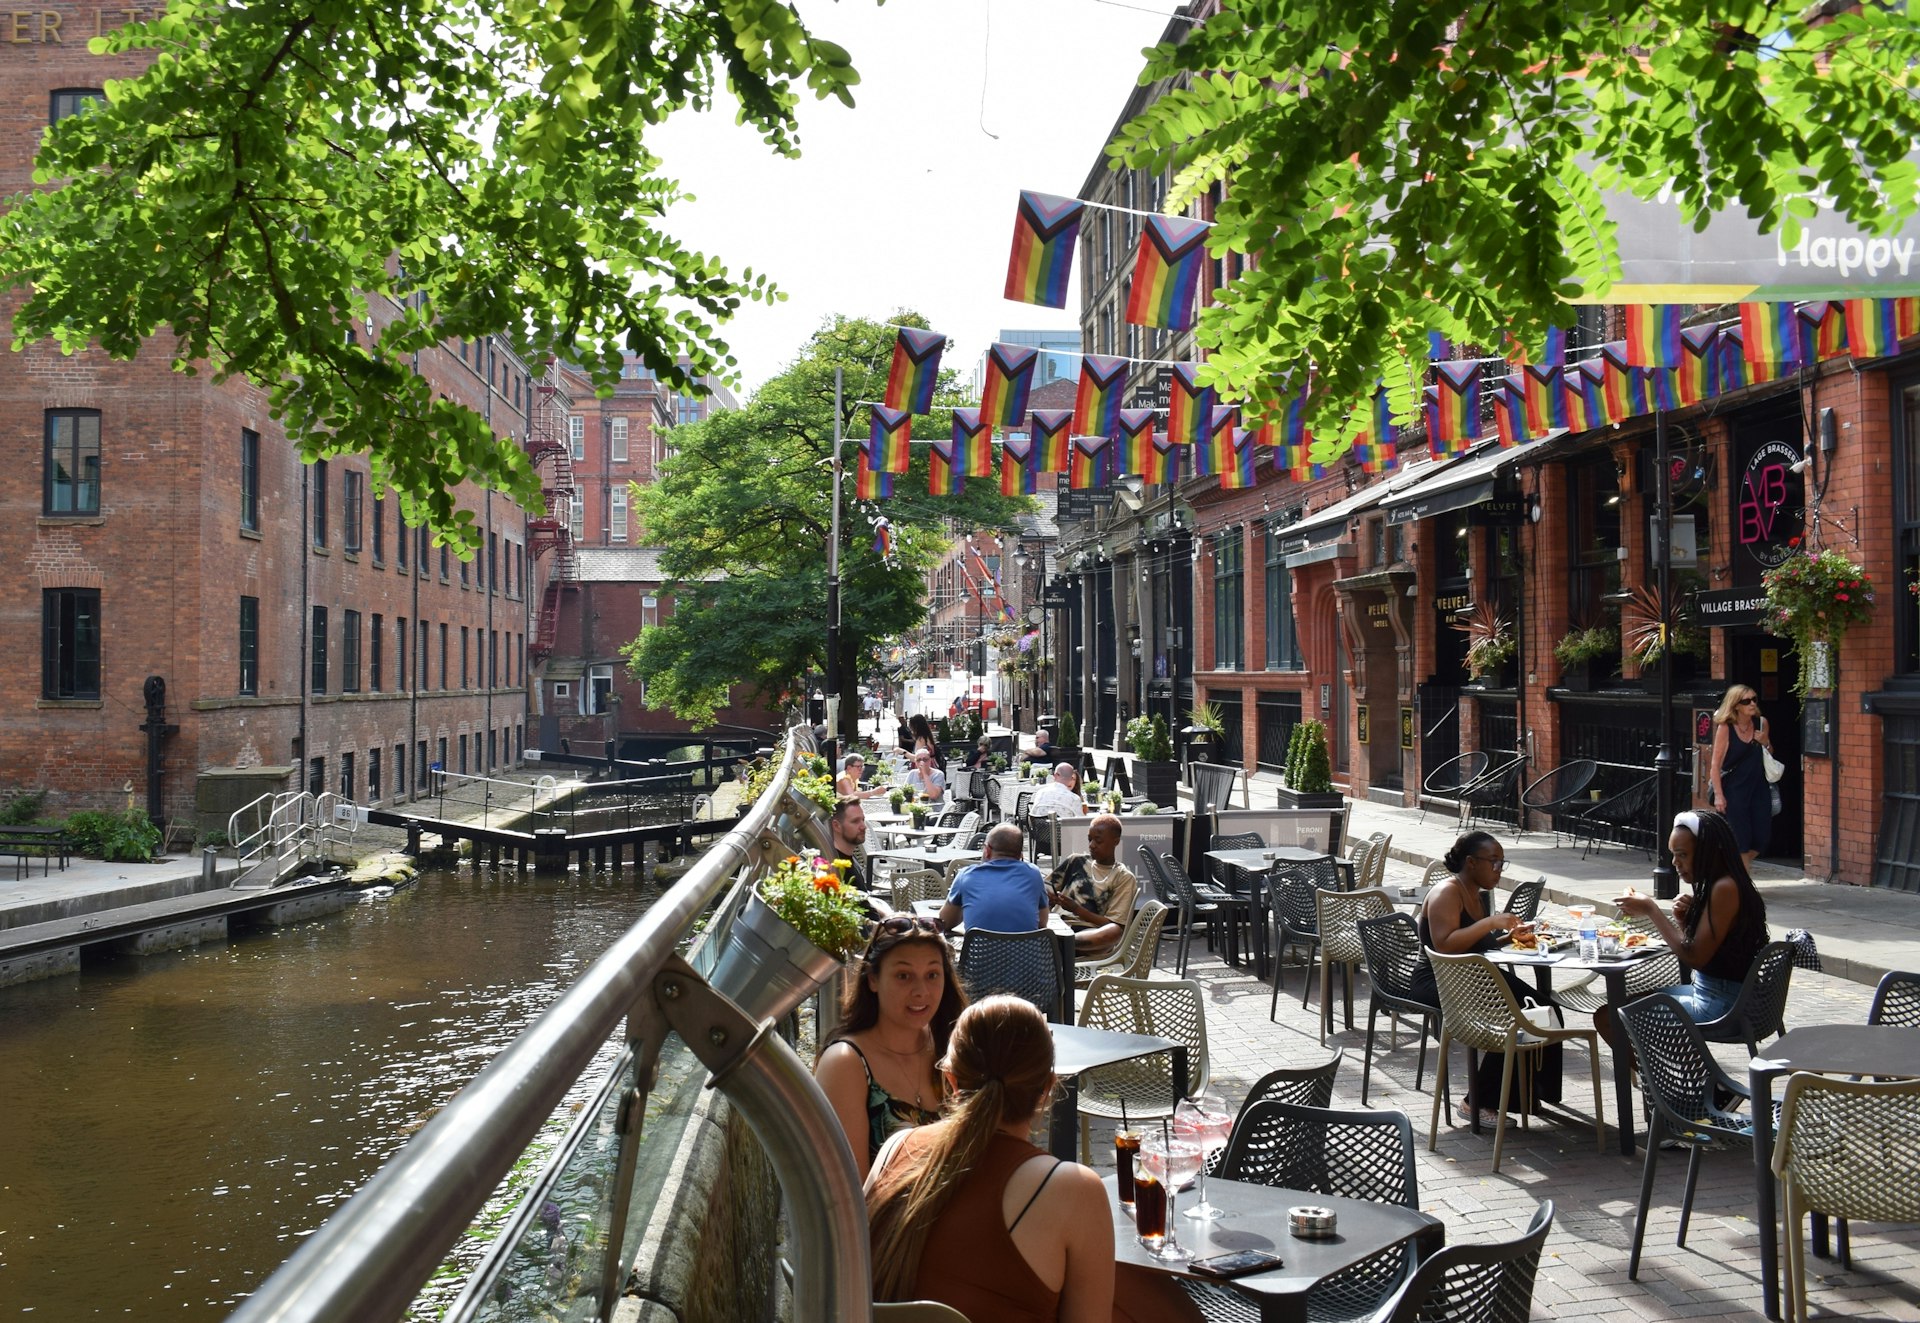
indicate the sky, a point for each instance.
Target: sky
{"x":906,"y":200}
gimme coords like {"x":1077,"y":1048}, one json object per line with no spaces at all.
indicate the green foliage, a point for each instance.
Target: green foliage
{"x":811,"y":896}
{"x":1315,"y":774}
{"x":1404,"y":168}
{"x":743,"y":509}
{"x":1815,"y":599}
{"x":22,"y":808}
{"x":128,"y":836}
{"x":281,"y":179}
{"x":1147,"y":737}
{"x":1592,"y":643}
{"x":1490,"y":640}
{"x":1068,"y":736}
{"x":1209,"y":717}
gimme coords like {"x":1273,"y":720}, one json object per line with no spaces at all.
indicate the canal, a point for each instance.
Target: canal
{"x":172,"y":1125}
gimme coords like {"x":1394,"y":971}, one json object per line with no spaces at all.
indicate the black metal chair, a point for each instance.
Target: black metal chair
{"x":1896,"y":1000}
{"x":1290,"y":891}
{"x":1452,"y":777}
{"x":1524,"y":900}
{"x":1761,"y":1008}
{"x":1197,"y":904}
{"x":1493,"y":1282}
{"x":1681,"y":1082}
{"x":1301,"y":1086}
{"x":1494,"y":791}
{"x":1238,"y":881}
{"x":1394,"y":958}
{"x":1550,"y":793}
{"x":1625,"y":812}
{"x":1027,"y":965}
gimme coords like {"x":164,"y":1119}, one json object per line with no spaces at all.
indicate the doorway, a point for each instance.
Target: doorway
{"x":1763,"y":661}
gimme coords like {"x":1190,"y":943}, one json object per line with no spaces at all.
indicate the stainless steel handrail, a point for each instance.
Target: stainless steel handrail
{"x":369,"y":1260}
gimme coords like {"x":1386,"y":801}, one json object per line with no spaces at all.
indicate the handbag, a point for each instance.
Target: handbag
{"x":1773,"y":793}
{"x":1774,"y":768}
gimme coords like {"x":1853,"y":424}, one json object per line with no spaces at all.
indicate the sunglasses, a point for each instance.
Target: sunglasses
{"x":903,"y":925}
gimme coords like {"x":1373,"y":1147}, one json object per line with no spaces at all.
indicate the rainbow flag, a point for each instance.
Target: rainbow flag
{"x":1653,"y":335}
{"x":1906,"y":317}
{"x":943,"y":475}
{"x":871,"y":484}
{"x":1003,"y":398}
{"x":1695,"y":379}
{"x":1510,"y":412}
{"x":1439,"y":347}
{"x":1220,"y":433}
{"x":1147,"y":457}
{"x":1376,"y":445}
{"x":1091,"y":465}
{"x":1823,"y":330}
{"x":888,"y":438}
{"x":973,"y":443}
{"x":1166,"y":274}
{"x":1017,"y":474}
{"x":883,"y":535}
{"x":1189,"y":405}
{"x":1545,"y":397}
{"x":1135,"y":438}
{"x":1050,"y":430}
{"x":1771,"y":338}
{"x":1243,"y":454}
{"x":915,"y":370}
{"x":1623,"y":393}
{"x":1096,"y":403}
{"x":1457,"y":408}
{"x":1658,"y":388}
{"x":1166,"y":462}
{"x":1286,"y":424}
{"x":1552,"y":354}
{"x":1297,"y":463}
{"x":1045,"y":229}
{"x":1873,"y":327}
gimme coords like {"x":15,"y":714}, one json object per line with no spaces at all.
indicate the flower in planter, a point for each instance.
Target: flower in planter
{"x":1816,"y":598}
{"x":1490,"y":641}
{"x":812,"y":897}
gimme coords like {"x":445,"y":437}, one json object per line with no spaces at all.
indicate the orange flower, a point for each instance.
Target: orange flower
{"x":826,"y":882}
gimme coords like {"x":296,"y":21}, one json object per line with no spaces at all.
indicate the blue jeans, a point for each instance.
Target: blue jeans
{"x":1707,"y":997}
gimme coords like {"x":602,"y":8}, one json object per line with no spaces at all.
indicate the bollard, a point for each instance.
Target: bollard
{"x":209,"y":868}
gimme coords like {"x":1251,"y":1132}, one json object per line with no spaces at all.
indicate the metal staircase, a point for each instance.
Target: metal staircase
{"x":276,"y":837}
{"x":553,"y":531}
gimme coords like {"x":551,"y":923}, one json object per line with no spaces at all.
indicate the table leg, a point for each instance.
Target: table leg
{"x":1063,"y":1128}
{"x":1765,"y":1212}
{"x":1063,"y":1006}
{"x":1616,"y":980}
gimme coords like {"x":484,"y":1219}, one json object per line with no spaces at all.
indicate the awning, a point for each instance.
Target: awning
{"x":1456,"y":484}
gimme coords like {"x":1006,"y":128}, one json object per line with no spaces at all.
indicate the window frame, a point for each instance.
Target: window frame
{"x":618,"y":434}
{"x":318,"y":487}
{"x":65,"y":633}
{"x":349,"y":651}
{"x":249,"y":646}
{"x":352,"y":508}
{"x":1229,"y":600}
{"x":1283,"y":651}
{"x":49,"y":450}
{"x":317,"y":651}
{"x":249,"y":480}
{"x":77,"y":100}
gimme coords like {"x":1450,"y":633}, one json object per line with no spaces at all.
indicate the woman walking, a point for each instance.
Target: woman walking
{"x":1737,"y":776}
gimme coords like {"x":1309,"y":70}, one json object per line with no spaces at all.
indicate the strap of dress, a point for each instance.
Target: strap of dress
{"x":865,"y":1064}
{"x":1036,"y":1194}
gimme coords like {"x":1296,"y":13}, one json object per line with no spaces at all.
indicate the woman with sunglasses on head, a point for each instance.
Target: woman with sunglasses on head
{"x":1737,"y":775}
{"x":878,"y":1070}
{"x":1719,"y":926}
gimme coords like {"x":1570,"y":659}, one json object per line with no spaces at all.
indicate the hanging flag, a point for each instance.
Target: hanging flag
{"x":1906,"y":317}
{"x":1653,"y":335}
{"x":1286,"y":423}
{"x":1297,"y":464}
{"x":1220,"y":434}
{"x":1510,"y":411}
{"x":1017,"y":474}
{"x":1823,"y":330}
{"x":1873,"y":329}
{"x":1050,"y":429}
{"x":1696,"y":379}
{"x":1166,"y":274}
{"x":1189,"y":405}
{"x":883,"y":533}
{"x":916,"y":369}
{"x":1242,"y":454}
{"x":1659,"y":387}
{"x":871,"y":484}
{"x":1553,"y":352}
{"x":888,"y":449}
{"x":943,"y":474}
{"x":1003,"y":398}
{"x":1091,"y":465}
{"x":1458,"y":406}
{"x":1545,"y":398}
{"x":1045,"y":229}
{"x":972,"y":443}
{"x":1770,"y":336}
{"x":1623,"y":393}
{"x":1166,"y":461}
{"x":1377,"y":445}
{"x":1439,"y":347}
{"x":1096,"y":404}
{"x":1133,"y":440}
{"x":1146,"y":457}
{"x":1582,"y":388}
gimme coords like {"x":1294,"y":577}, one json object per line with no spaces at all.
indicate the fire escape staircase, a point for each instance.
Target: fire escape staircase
{"x":553,"y":460}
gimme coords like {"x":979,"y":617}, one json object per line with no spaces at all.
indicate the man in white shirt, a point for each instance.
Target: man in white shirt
{"x":1059,"y":797}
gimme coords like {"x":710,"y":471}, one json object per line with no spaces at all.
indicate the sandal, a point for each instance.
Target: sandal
{"x":1488,"y":1120}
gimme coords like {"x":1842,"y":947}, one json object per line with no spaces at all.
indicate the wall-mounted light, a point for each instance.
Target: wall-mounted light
{"x":1533,"y":509}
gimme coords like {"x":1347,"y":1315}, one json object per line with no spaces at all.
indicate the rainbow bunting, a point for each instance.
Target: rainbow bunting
{"x":1297,"y":463}
{"x":973,"y":443}
{"x":1017,"y":475}
{"x":1220,"y":433}
{"x":1045,"y":229}
{"x":1623,"y":393}
{"x":883,"y":534}
{"x":1376,"y":445}
{"x":1146,"y":456}
{"x":1696,"y":378}
{"x":1823,"y":329}
{"x":943,"y":475}
{"x":1457,"y":409}
{"x":1430,"y":417}
{"x":1050,"y":430}
{"x":1096,"y":403}
{"x":1243,"y":455}
{"x":1770,"y":336}
{"x":1545,"y":398}
{"x":1439,"y":347}
{"x":1091,"y":462}
{"x":1658,"y":387}
{"x":1653,"y":335}
{"x":871,"y":484}
{"x":1189,"y":405}
{"x":1003,"y":399}
{"x":1552,"y":354}
{"x":1166,"y":462}
{"x":1873,"y":327}
{"x":1736,"y":369}
{"x":1166,"y":274}
{"x":887,"y":440}
{"x":915,"y":370}
{"x":1585,"y":394}
{"x":1906,"y":317}
{"x":1286,"y":424}
{"x":1509,"y":412}
{"x":1134,"y":439}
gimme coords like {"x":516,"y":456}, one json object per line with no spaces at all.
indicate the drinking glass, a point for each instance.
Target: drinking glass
{"x":1205,"y":1122}
{"x":1167,"y":1164}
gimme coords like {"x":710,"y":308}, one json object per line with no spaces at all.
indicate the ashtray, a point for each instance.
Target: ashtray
{"x":1311,"y":1222}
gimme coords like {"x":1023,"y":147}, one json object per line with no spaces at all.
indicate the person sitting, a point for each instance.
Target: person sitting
{"x":878,"y":1069}
{"x":848,"y":786}
{"x":1719,"y":926}
{"x":1060,"y":796}
{"x":1003,"y":893}
{"x":1095,"y":890}
{"x":923,"y":737}
{"x":847,"y":827}
{"x":924,"y":778}
{"x":1041,"y":748}
{"x":982,"y":751}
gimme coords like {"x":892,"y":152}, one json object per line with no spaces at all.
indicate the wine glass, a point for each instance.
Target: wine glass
{"x":1170,"y":1163}
{"x":1203,"y":1121}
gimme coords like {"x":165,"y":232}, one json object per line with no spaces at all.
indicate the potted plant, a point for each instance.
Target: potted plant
{"x":1585,"y":654}
{"x":1490,"y":645}
{"x":1644,"y":636}
{"x":1155,"y":773}
{"x":1206,"y":729}
{"x":896,"y":797}
{"x":794,"y":932}
{"x":1814,"y":599}
{"x":1066,"y":741}
{"x":1309,"y":770}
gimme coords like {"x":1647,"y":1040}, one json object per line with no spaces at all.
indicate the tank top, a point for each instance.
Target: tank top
{"x":1734,"y":956}
{"x":970,"y":1261}
{"x":887,"y":1114}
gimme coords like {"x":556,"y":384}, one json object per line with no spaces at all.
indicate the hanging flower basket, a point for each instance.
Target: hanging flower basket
{"x":794,"y":933}
{"x":1816,"y":598}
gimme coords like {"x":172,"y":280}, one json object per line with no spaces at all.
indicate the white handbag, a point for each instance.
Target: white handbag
{"x":1774,"y":768}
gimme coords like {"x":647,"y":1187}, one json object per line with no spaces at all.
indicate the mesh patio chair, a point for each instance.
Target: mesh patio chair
{"x":1451,"y":778}
{"x":1896,"y":1000}
{"x":1494,"y":792}
{"x":1198,"y":904}
{"x":1340,"y":914}
{"x":1027,"y":965}
{"x":961,"y":829}
{"x":1303,"y":1086}
{"x":1478,"y":1011}
{"x":1760,"y":1009}
{"x":1845,"y":1149}
{"x":1436,"y":871}
{"x":1551,"y":793}
{"x":1296,"y":913}
{"x":1680,"y":1080}
{"x":1134,"y":956}
{"x":1174,"y":1009}
{"x":1347,"y":1155}
{"x":1524,"y":900}
{"x":1481,"y":1282}
{"x":1376,"y":872}
{"x":1238,"y":881}
{"x":1394,"y":958}
{"x":914,"y":884}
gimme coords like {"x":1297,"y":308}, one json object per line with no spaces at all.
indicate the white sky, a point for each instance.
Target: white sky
{"x":903,"y":202}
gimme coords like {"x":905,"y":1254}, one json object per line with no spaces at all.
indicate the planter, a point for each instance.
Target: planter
{"x":1584,"y":677}
{"x":1309,"y":799}
{"x":766,"y":967}
{"x":1496,"y":677}
{"x":1158,"y":781}
{"x":1064,"y":753}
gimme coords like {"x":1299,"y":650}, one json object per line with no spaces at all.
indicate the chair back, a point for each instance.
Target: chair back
{"x":1153,"y":883}
{"x":1897,"y":1000}
{"x":914,"y":884}
{"x":1391,"y":947}
{"x":1677,"y":1072}
{"x":1451,"y":777}
{"x":1227,"y":876}
{"x":1477,"y":1007}
{"x":916,"y":1311}
{"x":1846,"y":1147}
{"x":1524,"y":900}
{"x":1761,"y":1008}
{"x":1346,"y":1154}
{"x":1174,"y":1009}
{"x":1295,"y":901}
{"x":1339,"y":916}
{"x":1437,"y":871}
{"x":1492,"y":1282}
{"x":1027,"y":965}
{"x":1376,"y":872}
{"x":1557,"y":787}
{"x":1191,"y":896}
{"x":1303,"y":1086}
{"x":1140,"y":943}
{"x":1212,"y":786}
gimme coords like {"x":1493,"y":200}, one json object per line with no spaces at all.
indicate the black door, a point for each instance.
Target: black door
{"x":1750,"y":653}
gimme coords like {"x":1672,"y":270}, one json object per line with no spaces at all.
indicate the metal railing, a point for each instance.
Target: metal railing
{"x":276,"y":834}
{"x":369,"y":1260}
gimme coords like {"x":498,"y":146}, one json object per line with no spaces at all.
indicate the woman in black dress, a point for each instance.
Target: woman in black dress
{"x":1737,"y":777}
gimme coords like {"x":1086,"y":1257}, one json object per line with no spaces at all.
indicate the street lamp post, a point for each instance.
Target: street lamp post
{"x":833,"y":589}
{"x":1666,"y":882}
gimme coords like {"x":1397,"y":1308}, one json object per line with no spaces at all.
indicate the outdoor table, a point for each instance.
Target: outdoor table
{"x":1613,"y":973}
{"x":1823,"y":1049}
{"x":1077,"y":1048}
{"x":1261,"y":861}
{"x":1256,"y":1219}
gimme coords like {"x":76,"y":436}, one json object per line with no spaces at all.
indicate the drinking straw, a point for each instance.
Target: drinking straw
{"x":1123,"y":1115}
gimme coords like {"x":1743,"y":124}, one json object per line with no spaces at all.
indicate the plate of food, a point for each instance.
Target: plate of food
{"x":1538,"y":939}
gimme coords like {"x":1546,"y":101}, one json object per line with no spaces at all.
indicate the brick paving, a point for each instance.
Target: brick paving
{"x":1583,"y":1273}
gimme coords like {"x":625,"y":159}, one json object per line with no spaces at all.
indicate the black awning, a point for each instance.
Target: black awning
{"x":1419,"y":504}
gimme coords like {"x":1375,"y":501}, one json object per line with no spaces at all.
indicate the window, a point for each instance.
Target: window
{"x":373,"y":776}
{"x":443,"y":659}
{"x":319,"y":481}
{"x":493,"y":659}
{"x":400,"y":653}
{"x":70,"y":651}
{"x":399,"y":770}
{"x":399,"y":539}
{"x":63,"y":102}
{"x":600,"y":689}
{"x":72,"y":462}
{"x":493,"y":563}
{"x":249,"y":645}
{"x":349,"y":652}
{"x":506,"y":564}
{"x":348,"y":790}
{"x":422,"y":541}
{"x":687,"y":409}
{"x":463,"y":656}
{"x":619,"y":531}
{"x":446,"y":562}
{"x":490,"y":751}
{"x":577,"y":513}
{"x":1228,"y":570}
{"x":466,"y":573}
{"x":317,"y":646}
{"x":1906,"y":526}
{"x":1283,"y":641}
{"x":250,"y":480}
{"x":376,"y":641}
{"x":379,"y":522}
{"x":463,"y":755}
{"x":317,"y":776}
{"x":577,"y":437}
{"x":420,"y":767}
{"x":351,"y":500}
{"x":617,"y":443}
{"x":420,"y":670}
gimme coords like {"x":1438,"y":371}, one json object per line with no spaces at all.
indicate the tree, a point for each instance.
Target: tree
{"x":278,"y":172}
{"x":1403,"y":168}
{"x":743,"y":510}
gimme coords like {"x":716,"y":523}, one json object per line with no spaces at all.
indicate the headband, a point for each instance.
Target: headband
{"x":1689,"y":820}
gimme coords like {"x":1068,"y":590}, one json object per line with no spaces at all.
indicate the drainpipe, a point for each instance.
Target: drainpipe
{"x":492,"y":566}
{"x":305,"y":535}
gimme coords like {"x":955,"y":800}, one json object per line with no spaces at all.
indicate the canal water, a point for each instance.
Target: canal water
{"x":172,"y":1125}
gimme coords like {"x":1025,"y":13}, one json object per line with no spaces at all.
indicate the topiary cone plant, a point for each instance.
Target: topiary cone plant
{"x":1309,"y":769}
{"x":1068,"y":736}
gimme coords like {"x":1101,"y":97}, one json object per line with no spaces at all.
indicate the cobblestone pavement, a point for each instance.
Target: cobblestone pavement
{"x":1584,"y":1271}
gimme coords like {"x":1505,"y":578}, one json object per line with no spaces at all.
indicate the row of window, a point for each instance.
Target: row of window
{"x":1229,"y":605}
{"x":509,"y":741}
{"x":618,"y":431}
{"x":480,"y":653}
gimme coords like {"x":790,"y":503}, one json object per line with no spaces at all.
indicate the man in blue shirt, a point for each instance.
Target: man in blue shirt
{"x":1003,"y":893}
